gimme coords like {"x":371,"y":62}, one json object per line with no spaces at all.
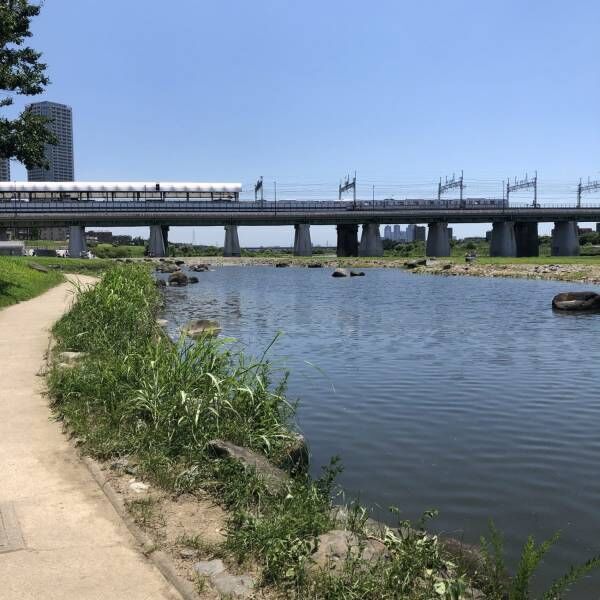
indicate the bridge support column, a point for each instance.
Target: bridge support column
{"x":157,"y":245}
{"x":371,"y":243}
{"x":503,"y":242}
{"x":438,"y":240}
{"x":302,"y":244}
{"x":347,"y":240}
{"x":232,"y":242}
{"x":526,"y":235}
{"x":565,"y":239}
{"x":77,"y":245}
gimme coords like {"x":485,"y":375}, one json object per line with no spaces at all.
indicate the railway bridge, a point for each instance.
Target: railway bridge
{"x":161,"y":205}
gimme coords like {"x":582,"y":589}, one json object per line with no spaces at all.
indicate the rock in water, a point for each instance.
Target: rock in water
{"x":357,"y":273}
{"x":413,"y":264}
{"x":193,"y":279}
{"x":198,"y":327}
{"x":340,"y":273}
{"x":577,"y":302}
{"x":178,"y":279}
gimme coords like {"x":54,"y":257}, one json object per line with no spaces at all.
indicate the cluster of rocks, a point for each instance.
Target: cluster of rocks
{"x":346,"y":273}
{"x":198,"y":267}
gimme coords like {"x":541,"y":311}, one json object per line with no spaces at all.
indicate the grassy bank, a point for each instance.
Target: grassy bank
{"x":18,"y":282}
{"x":137,"y":394}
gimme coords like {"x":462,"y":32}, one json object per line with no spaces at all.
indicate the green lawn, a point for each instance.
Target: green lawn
{"x":19,"y":282}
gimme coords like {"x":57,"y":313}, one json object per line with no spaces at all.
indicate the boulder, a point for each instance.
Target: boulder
{"x":162,"y":322}
{"x":37,"y":267}
{"x":297,"y":456}
{"x":234,"y":586}
{"x":335,"y":547}
{"x":161,"y":283}
{"x":180,"y":262}
{"x":274,"y":477}
{"x":340,"y":273}
{"x":314,"y":265}
{"x":164,"y":267}
{"x":198,"y":267}
{"x":199,"y":327}
{"x":178,"y":279}
{"x":413,"y":264}
{"x":357,"y":273}
{"x":193,"y":279}
{"x":577,"y":302}
{"x":281,"y":265}
{"x":209,"y":568}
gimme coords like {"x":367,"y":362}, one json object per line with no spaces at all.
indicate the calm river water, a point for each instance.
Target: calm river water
{"x":466,"y":395}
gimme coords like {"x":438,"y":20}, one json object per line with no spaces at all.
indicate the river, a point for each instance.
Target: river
{"x":463,"y":394}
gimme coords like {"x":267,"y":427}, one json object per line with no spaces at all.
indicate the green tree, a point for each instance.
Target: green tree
{"x":22,"y":73}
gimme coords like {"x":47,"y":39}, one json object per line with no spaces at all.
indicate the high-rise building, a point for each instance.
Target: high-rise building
{"x":60,"y":156}
{"x":4,"y":169}
{"x":387,"y":233}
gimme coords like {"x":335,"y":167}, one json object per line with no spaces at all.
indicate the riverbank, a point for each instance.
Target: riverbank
{"x":65,"y":540}
{"x":156,"y":407}
{"x":149,"y":411}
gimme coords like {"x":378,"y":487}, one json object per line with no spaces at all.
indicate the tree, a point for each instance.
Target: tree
{"x":22,"y":73}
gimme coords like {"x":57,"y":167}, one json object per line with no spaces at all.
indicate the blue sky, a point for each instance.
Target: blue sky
{"x":303,"y":92}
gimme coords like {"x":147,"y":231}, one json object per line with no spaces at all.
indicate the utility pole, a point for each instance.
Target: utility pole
{"x":451,"y":183}
{"x":523,"y":184}
{"x":348,"y":184}
{"x":258,"y":187}
{"x":590,"y":186}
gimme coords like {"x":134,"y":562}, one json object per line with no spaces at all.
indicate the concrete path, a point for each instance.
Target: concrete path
{"x":60,"y":538}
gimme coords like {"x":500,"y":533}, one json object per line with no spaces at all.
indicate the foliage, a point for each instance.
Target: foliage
{"x":498,"y":585}
{"x":117,"y":251}
{"x":18,"y":282}
{"x":21,"y":72}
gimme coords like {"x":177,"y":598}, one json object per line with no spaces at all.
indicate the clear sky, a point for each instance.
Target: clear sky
{"x":303,"y":92}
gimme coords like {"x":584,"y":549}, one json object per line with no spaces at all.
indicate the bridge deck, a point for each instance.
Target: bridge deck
{"x":131,"y":212}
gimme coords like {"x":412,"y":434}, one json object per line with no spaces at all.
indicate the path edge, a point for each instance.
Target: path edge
{"x":148,"y":547}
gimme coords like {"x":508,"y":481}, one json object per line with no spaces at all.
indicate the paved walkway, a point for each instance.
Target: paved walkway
{"x":60,"y":538}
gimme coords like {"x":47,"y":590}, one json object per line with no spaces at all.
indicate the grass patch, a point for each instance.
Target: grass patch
{"x":69,"y":265}
{"x":137,"y":393}
{"x":18,"y":282}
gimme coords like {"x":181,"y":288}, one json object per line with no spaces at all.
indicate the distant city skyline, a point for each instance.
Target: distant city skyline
{"x":412,"y":103}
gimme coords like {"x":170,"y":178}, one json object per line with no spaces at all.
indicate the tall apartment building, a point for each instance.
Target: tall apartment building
{"x":4,"y":169}
{"x":59,"y":157}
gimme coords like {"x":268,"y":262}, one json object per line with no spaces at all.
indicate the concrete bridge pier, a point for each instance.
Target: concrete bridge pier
{"x":526,"y":235}
{"x":565,"y":239}
{"x":302,"y":243}
{"x":347,"y":240}
{"x":77,"y":243}
{"x":232,"y":242}
{"x":371,"y":243}
{"x":438,"y":240}
{"x":157,"y":245}
{"x":503,"y":242}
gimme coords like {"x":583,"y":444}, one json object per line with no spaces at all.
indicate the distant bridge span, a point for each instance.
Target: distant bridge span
{"x":160,"y":205}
